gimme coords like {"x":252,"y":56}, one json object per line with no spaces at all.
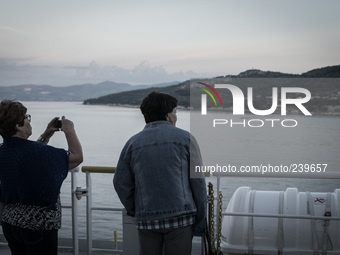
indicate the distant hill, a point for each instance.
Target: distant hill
{"x":180,"y":91}
{"x":325,"y":72}
{"x":256,"y":73}
{"x":31,"y":92}
{"x":323,"y":97}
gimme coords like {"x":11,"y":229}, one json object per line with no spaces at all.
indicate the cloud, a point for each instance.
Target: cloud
{"x":13,"y":73}
{"x":13,"y":30}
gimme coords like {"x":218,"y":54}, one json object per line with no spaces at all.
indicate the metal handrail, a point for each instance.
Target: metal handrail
{"x":288,"y":216}
{"x":99,"y":169}
{"x":87,"y":192}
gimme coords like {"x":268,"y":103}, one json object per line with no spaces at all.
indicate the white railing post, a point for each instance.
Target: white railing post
{"x":89,"y":213}
{"x":74,"y":212}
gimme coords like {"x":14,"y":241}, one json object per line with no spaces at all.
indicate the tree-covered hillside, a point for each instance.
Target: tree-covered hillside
{"x":325,"y":95}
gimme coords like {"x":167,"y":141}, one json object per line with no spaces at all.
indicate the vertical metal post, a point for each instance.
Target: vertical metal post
{"x":218,"y":183}
{"x":217,"y":201}
{"x":89,"y":213}
{"x":74,"y":212}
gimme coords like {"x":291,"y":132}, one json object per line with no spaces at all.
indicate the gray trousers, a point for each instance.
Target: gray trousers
{"x":175,"y":241}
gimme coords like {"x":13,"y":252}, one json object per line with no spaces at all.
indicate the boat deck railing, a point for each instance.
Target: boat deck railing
{"x":130,"y":237}
{"x":79,"y":192}
{"x":88,"y":246}
{"x":87,"y":192}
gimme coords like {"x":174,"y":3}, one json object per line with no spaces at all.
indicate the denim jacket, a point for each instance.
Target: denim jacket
{"x":152,"y":178}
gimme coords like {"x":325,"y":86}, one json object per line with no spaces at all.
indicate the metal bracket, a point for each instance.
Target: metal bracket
{"x":80,"y":192}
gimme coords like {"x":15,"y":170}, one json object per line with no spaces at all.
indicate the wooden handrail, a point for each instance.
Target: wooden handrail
{"x":109,"y":170}
{"x":99,"y":169}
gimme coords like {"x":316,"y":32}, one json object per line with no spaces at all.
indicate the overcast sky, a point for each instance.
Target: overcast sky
{"x":144,"y":42}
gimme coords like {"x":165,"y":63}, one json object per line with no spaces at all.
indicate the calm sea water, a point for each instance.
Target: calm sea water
{"x":103,"y":131}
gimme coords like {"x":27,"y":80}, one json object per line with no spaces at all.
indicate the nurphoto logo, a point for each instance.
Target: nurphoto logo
{"x":238,"y":107}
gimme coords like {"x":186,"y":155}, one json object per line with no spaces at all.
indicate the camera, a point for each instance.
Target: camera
{"x":58,"y":124}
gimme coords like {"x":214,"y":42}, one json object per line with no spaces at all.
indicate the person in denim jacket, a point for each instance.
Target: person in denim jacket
{"x":154,"y":184}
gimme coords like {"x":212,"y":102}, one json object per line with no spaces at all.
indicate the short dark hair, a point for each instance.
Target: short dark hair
{"x":11,"y":113}
{"x":157,"y":105}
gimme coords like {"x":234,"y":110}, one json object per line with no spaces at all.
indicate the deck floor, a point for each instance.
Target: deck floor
{"x":4,"y":250}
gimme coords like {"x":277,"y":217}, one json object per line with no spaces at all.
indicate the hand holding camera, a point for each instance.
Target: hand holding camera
{"x":63,"y":124}
{"x":66,"y":125}
{"x":58,"y":123}
{"x":55,"y":125}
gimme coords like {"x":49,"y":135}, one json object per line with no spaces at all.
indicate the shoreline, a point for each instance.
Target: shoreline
{"x":333,"y":110}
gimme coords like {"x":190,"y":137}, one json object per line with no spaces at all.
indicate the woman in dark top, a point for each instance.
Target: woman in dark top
{"x":31,"y":175}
